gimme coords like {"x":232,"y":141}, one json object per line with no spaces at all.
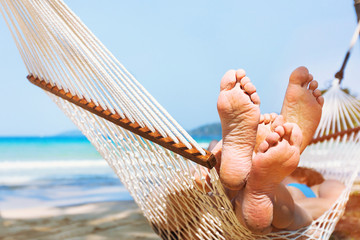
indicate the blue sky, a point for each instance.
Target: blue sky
{"x":180,"y":50}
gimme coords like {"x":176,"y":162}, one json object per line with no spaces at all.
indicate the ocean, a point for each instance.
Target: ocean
{"x":56,"y":171}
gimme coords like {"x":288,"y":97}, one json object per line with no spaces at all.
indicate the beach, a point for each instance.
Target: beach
{"x":101,"y":220}
{"x":61,"y":188}
{"x":116,"y":220}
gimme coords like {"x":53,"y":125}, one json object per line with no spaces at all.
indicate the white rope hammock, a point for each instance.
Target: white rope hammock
{"x":60,"y":51}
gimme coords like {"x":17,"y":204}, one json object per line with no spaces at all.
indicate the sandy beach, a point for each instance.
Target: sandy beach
{"x":47,"y":192}
{"x":115,"y":220}
{"x":93,"y":221}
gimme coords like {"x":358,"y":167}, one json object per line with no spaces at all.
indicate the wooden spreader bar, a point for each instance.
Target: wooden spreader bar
{"x":193,"y":154}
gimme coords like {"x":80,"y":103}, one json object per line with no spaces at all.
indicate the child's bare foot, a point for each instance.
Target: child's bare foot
{"x":303,"y":103}
{"x":238,"y":107}
{"x":278,"y":156}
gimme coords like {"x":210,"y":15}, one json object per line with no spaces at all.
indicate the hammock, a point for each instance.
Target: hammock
{"x":150,"y":152}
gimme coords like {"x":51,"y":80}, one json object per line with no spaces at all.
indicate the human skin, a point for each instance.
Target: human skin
{"x":279,"y":208}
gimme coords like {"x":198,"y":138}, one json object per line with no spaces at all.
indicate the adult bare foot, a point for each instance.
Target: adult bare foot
{"x":268,"y":122}
{"x":303,"y":103}
{"x":238,"y":107}
{"x":278,"y":156}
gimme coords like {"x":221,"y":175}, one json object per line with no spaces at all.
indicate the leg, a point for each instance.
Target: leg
{"x":303,"y":104}
{"x":329,"y":191}
{"x":287,"y":214}
{"x":278,"y":156}
{"x":238,"y":107}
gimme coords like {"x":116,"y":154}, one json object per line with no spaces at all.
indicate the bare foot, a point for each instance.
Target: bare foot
{"x":278,"y":156}
{"x":303,"y":103}
{"x":268,"y":122}
{"x":238,"y":107}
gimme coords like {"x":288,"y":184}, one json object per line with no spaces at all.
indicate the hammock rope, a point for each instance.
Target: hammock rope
{"x":340,"y":74}
{"x":65,"y":59}
{"x":55,"y":49}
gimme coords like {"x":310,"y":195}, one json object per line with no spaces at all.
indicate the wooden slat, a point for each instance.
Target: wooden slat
{"x":193,"y":154}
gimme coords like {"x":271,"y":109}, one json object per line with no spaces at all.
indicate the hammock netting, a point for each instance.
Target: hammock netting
{"x":59,"y":49}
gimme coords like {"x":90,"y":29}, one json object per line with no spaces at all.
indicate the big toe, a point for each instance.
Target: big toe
{"x":277,"y":121}
{"x":228,"y":81}
{"x":293,"y":134}
{"x":300,"y":76}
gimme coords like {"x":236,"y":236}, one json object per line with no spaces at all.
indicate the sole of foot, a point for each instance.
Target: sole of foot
{"x":238,"y":107}
{"x":277,"y":157}
{"x":303,"y":103}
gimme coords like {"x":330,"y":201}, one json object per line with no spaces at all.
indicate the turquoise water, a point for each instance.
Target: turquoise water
{"x":46,"y":148}
{"x":56,"y":171}
{"x":27,"y":159}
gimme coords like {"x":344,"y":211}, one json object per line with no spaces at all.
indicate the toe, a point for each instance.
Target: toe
{"x":307,"y":79}
{"x":310,"y":77}
{"x":249,"y":88}
{"x":317,"y":93}
{"x":288,"y":127}
{"x":280,"y":130}
{"x":263,"y":147}
{"x":293,"y":134}
{"x":262,"y":119}
{"x":228,"y":80}
{"x":240,"y":73}
{"x":278,"y":121}
{"x":313,"y":85}
{"x":266,"y":118}
{"x":255,"y":98}
{"x":273,"y":116}
{"x":320,"y":100}
{"x":300,"y":76}
{"x":272,"y":139}
{"x":243,"y":81}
